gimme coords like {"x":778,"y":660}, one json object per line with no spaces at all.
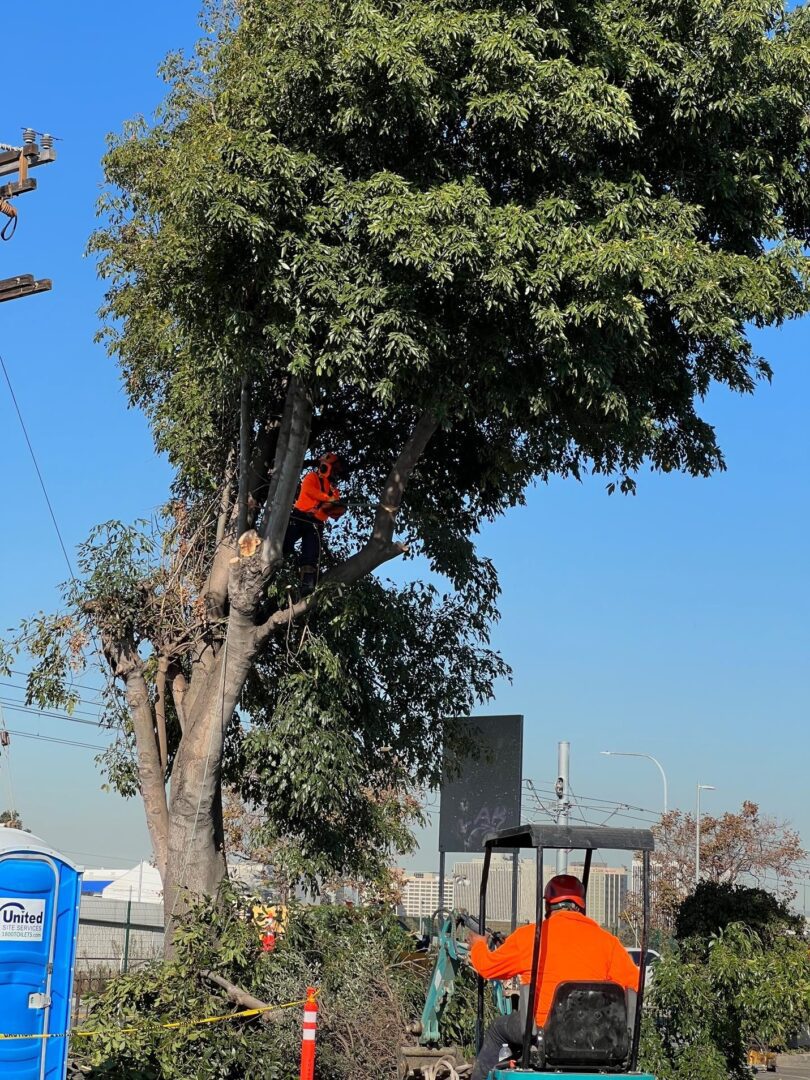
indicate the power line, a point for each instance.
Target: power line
{"x":105,"y":672}
{"x":54,"y":739}
{"x":30,"y":710}
{"x":79,"y":686}
{"x":83,"y":704}
{"x":36,"y":467}
{"x":109,"y":858}
{"x":92,"y":711}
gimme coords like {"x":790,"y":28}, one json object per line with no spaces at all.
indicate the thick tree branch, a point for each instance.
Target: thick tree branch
{"x":380,"y":546}
{"x":127,"y":665}
{"x":226,"y":499}
{"x":179,"y":690}
{"x":216,"y":590}
{"x":238,"y":995}
{"x":291,"y":449}
{"x":244,"y":454}
{"x":160,"y":711}
{"x":260,"y":466}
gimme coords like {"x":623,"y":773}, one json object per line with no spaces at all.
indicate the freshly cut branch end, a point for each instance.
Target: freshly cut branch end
{"x":249,"y":544}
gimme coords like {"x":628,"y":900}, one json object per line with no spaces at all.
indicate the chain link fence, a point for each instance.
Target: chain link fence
{"x":114,"y":936}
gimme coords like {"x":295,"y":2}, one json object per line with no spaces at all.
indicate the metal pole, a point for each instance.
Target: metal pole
{"x":482,"y":925}
{"x":645,"y":930}
{"x":538,"y":929}
{"x":515,"y":887}
{"x":441,"y":883}
{"x":563,"y":802}
{"x":125,"y":960}
{"x":654,"y":760}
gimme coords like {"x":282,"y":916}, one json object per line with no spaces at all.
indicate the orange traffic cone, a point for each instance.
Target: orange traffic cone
{"x":308,"y":1039}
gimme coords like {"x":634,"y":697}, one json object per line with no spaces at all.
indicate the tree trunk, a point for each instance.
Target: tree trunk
{"x":196,"y":865}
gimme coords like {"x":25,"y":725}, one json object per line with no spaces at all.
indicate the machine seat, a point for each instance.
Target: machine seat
{"x":587,"y":1026}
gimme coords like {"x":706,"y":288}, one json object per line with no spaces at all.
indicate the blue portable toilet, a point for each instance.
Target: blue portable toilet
{"x":39,"y":921}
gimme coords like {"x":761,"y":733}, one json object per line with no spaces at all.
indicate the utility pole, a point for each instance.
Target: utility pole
{"x":18,"y":160}
{"x":561,"y":790}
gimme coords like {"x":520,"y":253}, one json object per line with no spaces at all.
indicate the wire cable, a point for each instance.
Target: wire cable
{"x":54,"y":739}
{"x":36,"y":467}
{"x":78,"y":686}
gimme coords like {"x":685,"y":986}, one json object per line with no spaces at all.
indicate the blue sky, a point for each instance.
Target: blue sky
{"x":675,"y":622}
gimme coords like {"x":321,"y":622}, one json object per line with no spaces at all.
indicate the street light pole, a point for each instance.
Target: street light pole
{"x":700,"y":787}
{"x":655,"y":761}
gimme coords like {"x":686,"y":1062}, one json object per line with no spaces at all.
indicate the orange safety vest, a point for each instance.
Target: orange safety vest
{"x":317,"y":492}
{"x":573,"y":948}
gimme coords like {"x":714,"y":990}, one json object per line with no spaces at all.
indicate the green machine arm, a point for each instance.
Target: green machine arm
{"x":450,"y":956}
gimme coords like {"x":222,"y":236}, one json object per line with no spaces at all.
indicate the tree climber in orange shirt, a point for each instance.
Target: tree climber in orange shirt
{"x":318,"y":502}
{"x":573,"y":948}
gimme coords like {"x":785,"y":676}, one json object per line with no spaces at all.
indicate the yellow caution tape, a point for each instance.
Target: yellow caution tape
{"x":174,"y":1024}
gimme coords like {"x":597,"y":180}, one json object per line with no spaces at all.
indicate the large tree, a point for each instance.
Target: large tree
{"x":737,"y":850}
{"x":466,"y":244}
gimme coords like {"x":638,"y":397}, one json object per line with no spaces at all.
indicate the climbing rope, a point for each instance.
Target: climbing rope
{"x":10,"y":226}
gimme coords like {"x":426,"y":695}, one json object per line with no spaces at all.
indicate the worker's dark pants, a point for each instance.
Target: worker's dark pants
{"x":309,"y":531}
{"x":506,"y":1029}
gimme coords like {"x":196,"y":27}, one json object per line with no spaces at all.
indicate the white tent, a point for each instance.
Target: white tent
{"x":141,"y":883}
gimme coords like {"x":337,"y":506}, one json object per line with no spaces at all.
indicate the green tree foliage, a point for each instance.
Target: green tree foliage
{"x":469,"y":245}
{"x":551,"y":223}
{"x":707,"y":1007}
{"x":714,"y":905}
{"x":370,"y":987}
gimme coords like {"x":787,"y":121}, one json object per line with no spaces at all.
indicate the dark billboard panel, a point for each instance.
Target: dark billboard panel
{"x":485,"y":794}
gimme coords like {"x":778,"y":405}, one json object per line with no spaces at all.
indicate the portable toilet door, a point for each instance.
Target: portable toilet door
{"x":40,"y":892}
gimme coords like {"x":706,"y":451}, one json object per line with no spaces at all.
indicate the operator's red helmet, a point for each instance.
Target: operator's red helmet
{"x":565,"y":887}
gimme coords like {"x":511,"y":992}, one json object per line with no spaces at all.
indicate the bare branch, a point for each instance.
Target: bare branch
{"x":238,"y":995}
{"x":127,"y":665}
{"x":160,"y":711}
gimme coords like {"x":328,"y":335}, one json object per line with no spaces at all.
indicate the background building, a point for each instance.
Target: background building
{"x":467,"y":881}
{"x":607,"y":894}
{"x":420,"y":894}
{"x":607,"y":889}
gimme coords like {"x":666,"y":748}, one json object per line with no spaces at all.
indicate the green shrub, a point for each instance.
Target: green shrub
{"x":370,"y":988}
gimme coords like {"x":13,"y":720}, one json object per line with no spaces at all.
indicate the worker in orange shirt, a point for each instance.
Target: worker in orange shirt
{"x":318,"y":502}
{"x":573,"y":948}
